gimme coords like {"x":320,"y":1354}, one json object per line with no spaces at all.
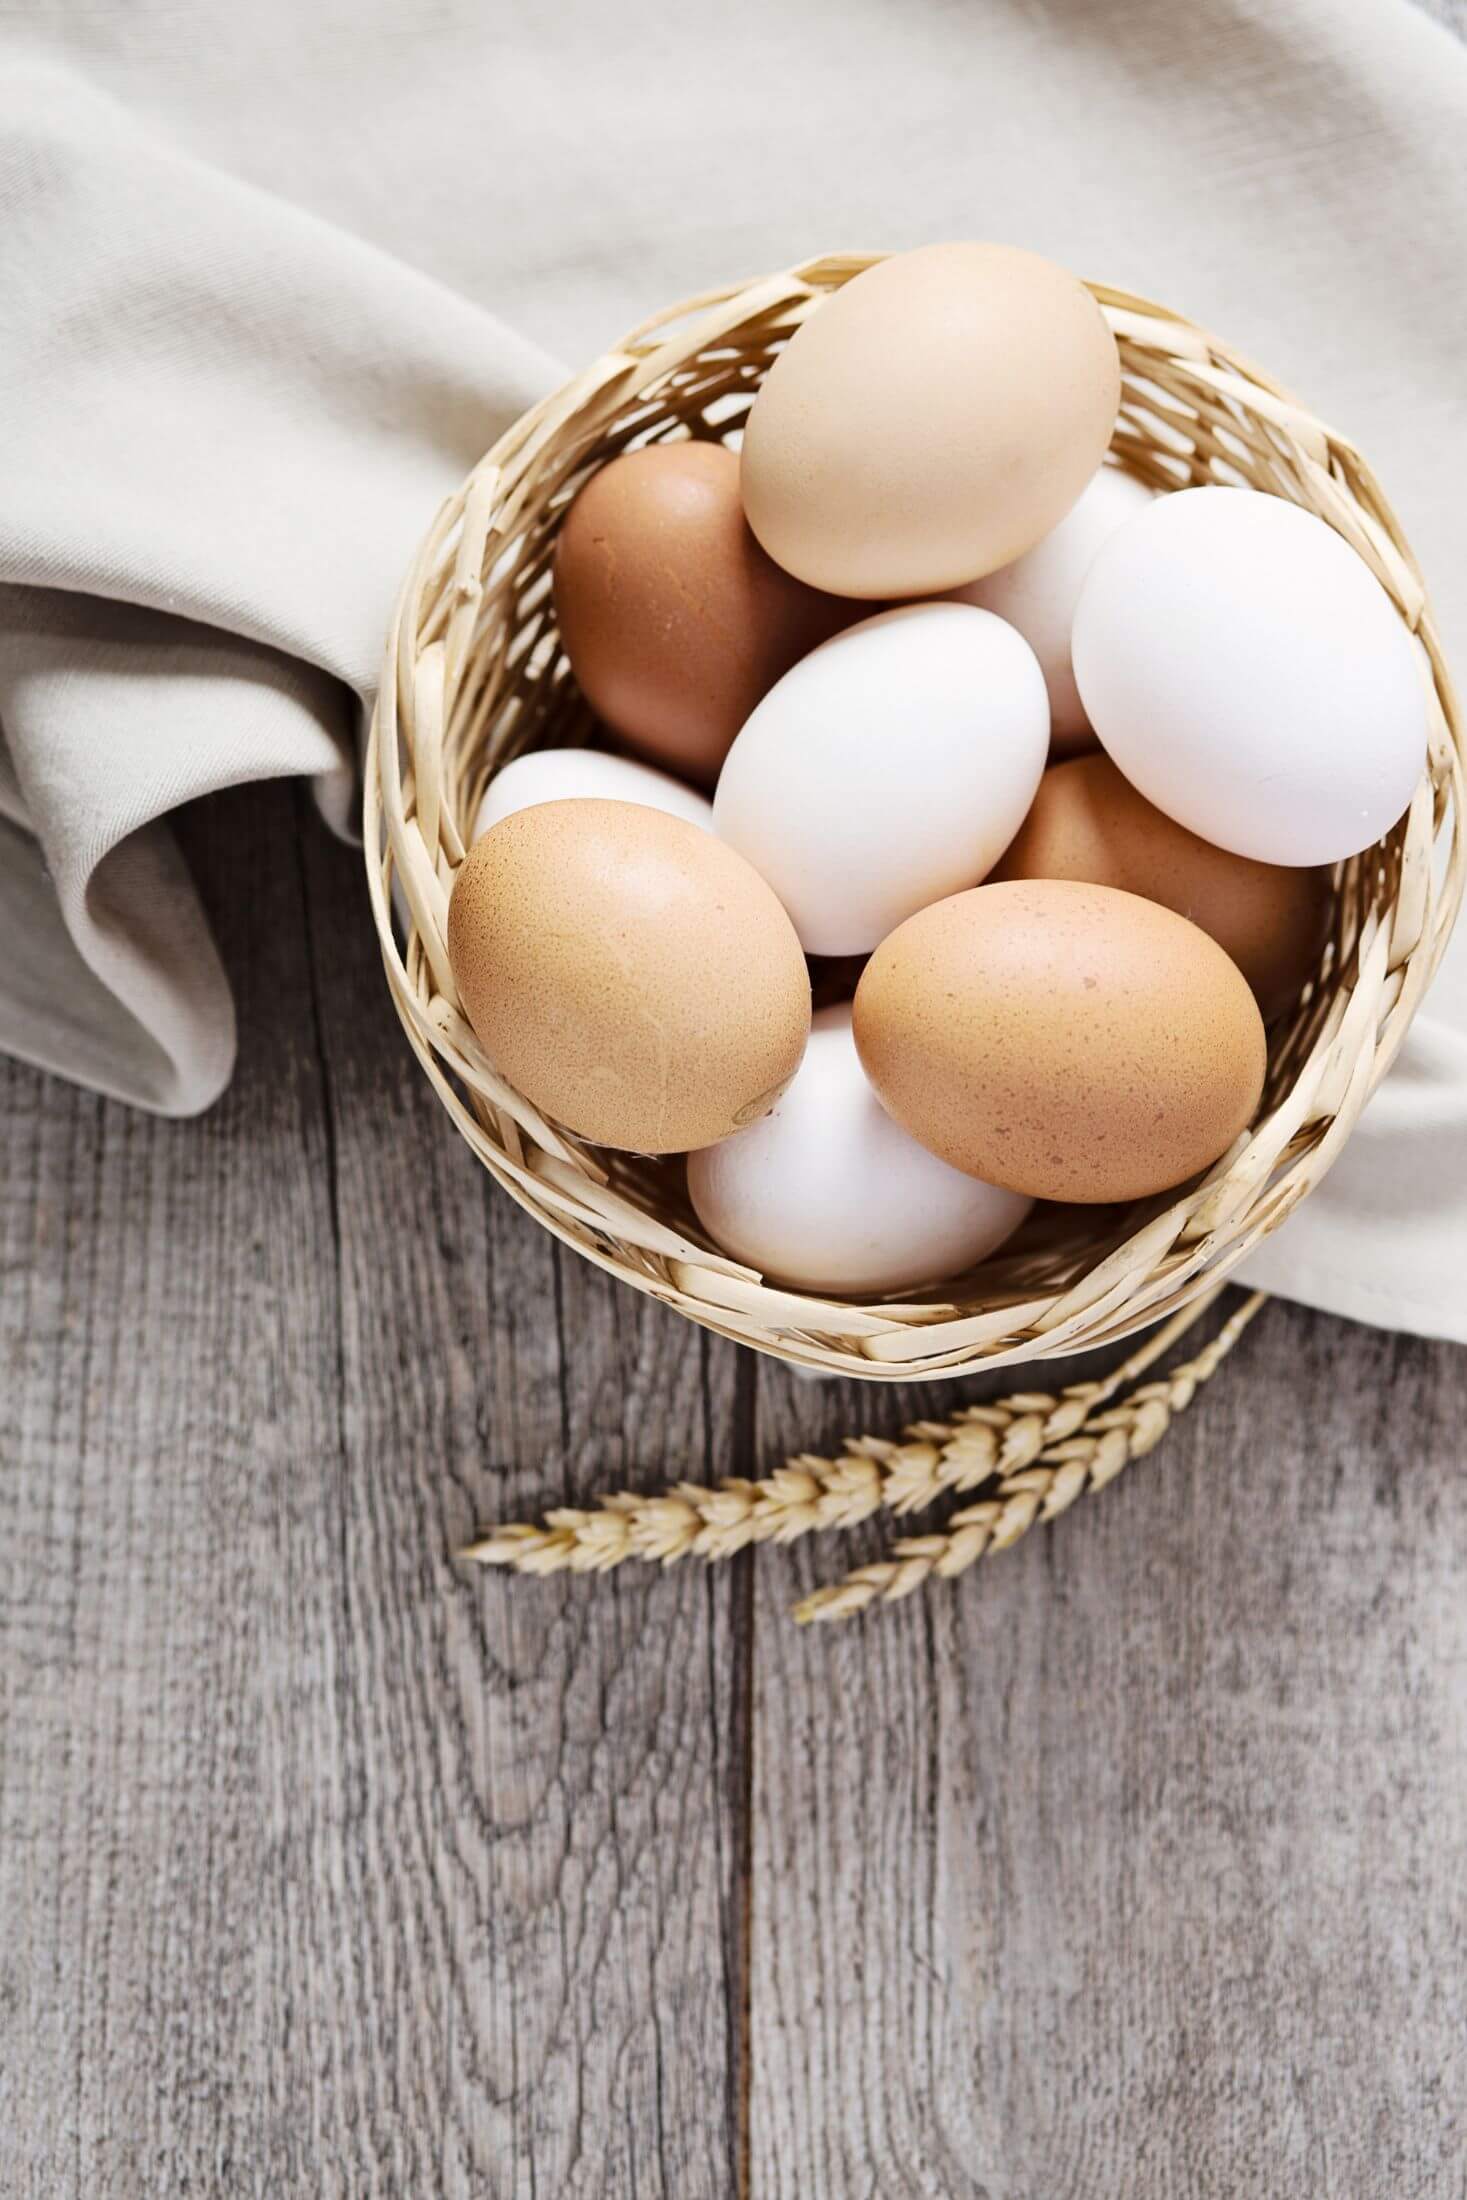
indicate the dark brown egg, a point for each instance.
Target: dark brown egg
{"x":1089,"y":823}
{"x":675,"y":622}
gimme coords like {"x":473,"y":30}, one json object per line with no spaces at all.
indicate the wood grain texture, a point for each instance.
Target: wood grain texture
{"x":327,"y":1866}
{"x":1153,"y":1877}
{"x":1136,"y":1862}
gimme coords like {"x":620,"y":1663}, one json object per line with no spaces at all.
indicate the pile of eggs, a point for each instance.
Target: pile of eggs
{"x":1038,"y":775}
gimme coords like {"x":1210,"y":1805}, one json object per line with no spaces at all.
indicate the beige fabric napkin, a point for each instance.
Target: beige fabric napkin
{"x":274,"y":277}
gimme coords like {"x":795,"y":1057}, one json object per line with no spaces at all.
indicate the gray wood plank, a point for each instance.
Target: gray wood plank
{"x":324,"y":1865}
{"x":1137,"y":1861}
{"x":567,"y":1757}
{"x":170,"y":1475}
{"x":1134,"y":1862}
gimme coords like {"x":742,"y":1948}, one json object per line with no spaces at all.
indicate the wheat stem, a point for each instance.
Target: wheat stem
{"x":872,"y":1474}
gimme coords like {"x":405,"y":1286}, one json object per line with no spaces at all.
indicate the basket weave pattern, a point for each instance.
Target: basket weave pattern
{"x":474,"y":674}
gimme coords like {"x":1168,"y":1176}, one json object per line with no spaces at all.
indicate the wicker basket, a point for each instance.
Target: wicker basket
{"x":474,"y":674}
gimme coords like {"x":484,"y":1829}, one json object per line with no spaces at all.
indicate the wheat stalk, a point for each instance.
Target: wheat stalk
{"x":1086,"y":1460}
{"x":871,"y":1474}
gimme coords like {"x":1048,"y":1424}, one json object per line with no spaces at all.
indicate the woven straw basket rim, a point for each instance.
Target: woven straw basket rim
{"x":473,"y":674}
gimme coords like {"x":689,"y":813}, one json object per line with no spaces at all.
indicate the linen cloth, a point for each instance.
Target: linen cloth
{"x":275,"y":277}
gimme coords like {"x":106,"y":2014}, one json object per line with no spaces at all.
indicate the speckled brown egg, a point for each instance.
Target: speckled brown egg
{"x":1063,"y":1040}
{"x":674,"y":620}
{"x":1090,"y":823}
{"x":930,"y":421}
{"x":628,"y":973}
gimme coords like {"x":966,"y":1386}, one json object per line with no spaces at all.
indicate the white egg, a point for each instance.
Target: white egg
{"x":889,"y":768}
{"x":1039,"y":591}
{"x":566,"y":775}
{"x":1249,"y":674}
{"x":827,"y":1193}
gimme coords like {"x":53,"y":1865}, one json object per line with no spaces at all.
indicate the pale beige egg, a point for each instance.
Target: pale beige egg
{"x":930,"y":422}
{"x":628,"y":973}
{"x":1066,"y":1041}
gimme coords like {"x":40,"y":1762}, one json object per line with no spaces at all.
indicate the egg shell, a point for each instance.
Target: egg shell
{"x":674,"y":620}
{"x":828,"y":1194}
{"x":890,"y":767}
{"x":565,"y":775}
{"x":1246,"y":670}
{"x":628,"y":973}
{"x":1039,"y":591}
{"x":1089,"y":823}
{"x":931,"y":421}
{"x":1067,"y":1041}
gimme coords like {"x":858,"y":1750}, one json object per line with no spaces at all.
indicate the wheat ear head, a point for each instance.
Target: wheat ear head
{"x":1085,"y":1460}
{"x":872,"y":1474}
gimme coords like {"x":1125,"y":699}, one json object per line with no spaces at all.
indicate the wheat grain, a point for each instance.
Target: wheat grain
{"x":1000,"y":1439}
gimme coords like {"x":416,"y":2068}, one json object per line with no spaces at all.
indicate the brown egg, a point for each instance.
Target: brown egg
{"x":1062,"y":1040}
{"x":930,"y":421}
{"x":628,"y":973}
{"x":674,"y":620}
{"x":1088,"y":822}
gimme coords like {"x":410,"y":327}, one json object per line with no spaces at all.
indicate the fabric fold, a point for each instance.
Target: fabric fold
{"x":224,"y":426}
{"x":274,"y":282}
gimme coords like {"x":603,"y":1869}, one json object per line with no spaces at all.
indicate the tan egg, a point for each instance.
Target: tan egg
{"x":1065,"y":1041}
{"x":674,"y":620}
{"x":930,"y":422}
{"x":628,"y":973}
{"x":1090,"y":823}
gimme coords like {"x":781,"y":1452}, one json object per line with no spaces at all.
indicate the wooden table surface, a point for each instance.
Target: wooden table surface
{"x":1135,"y":1863}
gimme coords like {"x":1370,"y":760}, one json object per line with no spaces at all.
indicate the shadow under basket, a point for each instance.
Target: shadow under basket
{"x":474,"y":675}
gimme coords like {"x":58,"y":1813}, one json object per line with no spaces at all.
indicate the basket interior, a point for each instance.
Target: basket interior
{"x":479,"y":676}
